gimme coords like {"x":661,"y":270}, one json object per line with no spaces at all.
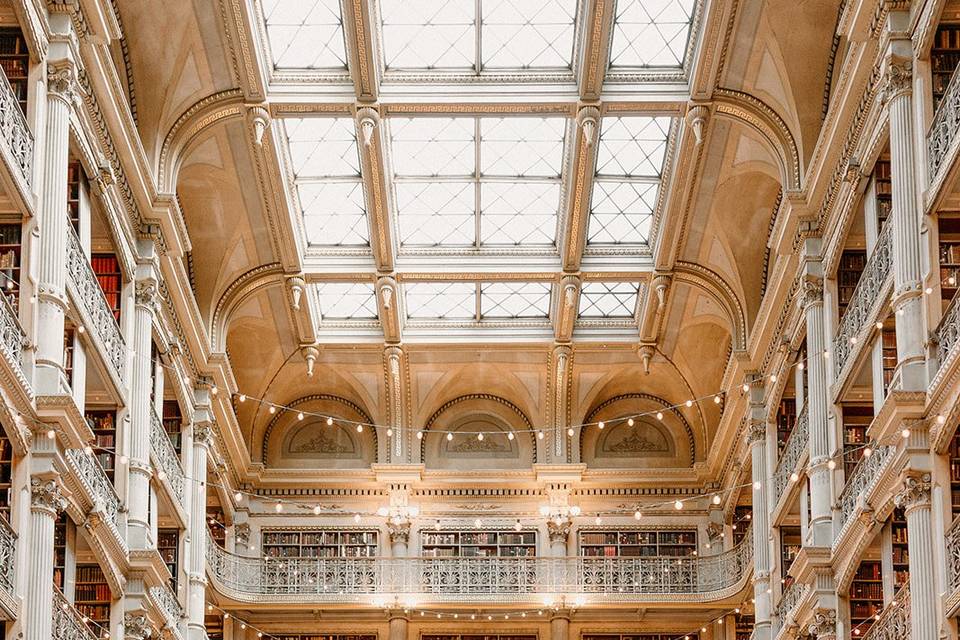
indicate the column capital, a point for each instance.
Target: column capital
{"x":399,"y":531}
{"x":147,"y":294}
{"x":897,"y":79}
{"x":46,"y":494}
{"x":559,"y":530}
{"x":63,"y":81}
{"x":914,"y":493}
{"x":812,"y":290}
{"x":756,"y":431}
{"x":136,"y":626}
{"x":241,"y":533}
{"x":203,"y":434}
{"x":824,"y":624}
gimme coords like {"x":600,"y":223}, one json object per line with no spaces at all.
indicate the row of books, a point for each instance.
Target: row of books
{"x":93,"y":592}
{"x":90,"y":573}
{"x":638,"y":537}
{"x":866,"y":591}
{"x":947,"y":37}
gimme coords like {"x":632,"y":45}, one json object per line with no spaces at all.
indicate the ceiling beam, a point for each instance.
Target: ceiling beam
{"x":580,"y":187}
{"x":594,"y":54}
{"x":358,"y":27}
{"x":373,"y":170}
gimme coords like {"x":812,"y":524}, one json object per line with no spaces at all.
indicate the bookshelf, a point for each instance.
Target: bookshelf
{"x":852,"y":264}
{"x":786,"y":420}
{"x":216,"y":525}
{"x":213,"y":624}
{"x":10,"y":260}
{"x":866,"y":595}
{"x":319,"y":543}
{"x":888,"y":354}
{"x":635,"y":636}
{"x":60,"y":550}
{"x":856,"y":420}
{"x":743,"y":626}
{"x":338,"y":636}
{"x":107,"y":269}
{"x":92,"y":597}
{"x":901,"y":555}
{"x":949,"y":255}
{"x":954,"y":456}
{"x":103,"y":423}
{"x":15,"y":61}
{"x":741,"y":520}
{"x":944,"y":58}
{"x":168,"y":545}
{"x":790,"y":543}
{"x":75,"y":178}
{"x":638,"y":543}
{"x":172,"y":421}
{"x":883,"y":189}
{"x":6,"y":476}
{"x":471,"y":544}
{"x":492,"y":636}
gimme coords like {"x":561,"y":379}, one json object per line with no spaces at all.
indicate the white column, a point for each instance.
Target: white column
{"x":559,"y":531}
{"x":138,"y":487}
{"x":53,"y":219}
{"x":398,"y":625}
{"x":821,"y":513}
{"x":914,"y":499}
{"x":907,"y":274}
{"x":757,"y":437}
{"x":399,"y":536}
{"x":560,"y":625}
{"x":46,"y":501}
{"x":197,"y":575}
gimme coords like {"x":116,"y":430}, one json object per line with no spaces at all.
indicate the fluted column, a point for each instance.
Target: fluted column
{"x":757,"y":435}
{"x":914,"y":499}
{"x":46,"y":501}
{"x":819,"y":474}
{"x":53,"y":220}
{"x":905,"y":215}
{"x":138,"y":495}
{"x":560,"y":625}
{"x":202,"y":437}
{"x":393,"y":358}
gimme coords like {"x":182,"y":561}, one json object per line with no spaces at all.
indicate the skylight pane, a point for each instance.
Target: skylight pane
{"x":333,"y":213}
{"x":515,"y":300}
{"x":606,"y":300}
{"x":347,"y":301}
{"x":322,"y":147}
{"x":621,"y":212}
{"x":429,"y":34}
{"x":305,"y":34}
{"x":523,"y":34}
{"x":518,"y":213}
{"x":521,"y":146}
{"x":433,"y":146}
{"x":633,"y":146}
{"x":436,"y":213}
{"x":441,"y":300}
{"x":651,"y":33}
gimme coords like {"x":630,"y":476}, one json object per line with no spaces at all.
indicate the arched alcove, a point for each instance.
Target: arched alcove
{"x":311,"y":443}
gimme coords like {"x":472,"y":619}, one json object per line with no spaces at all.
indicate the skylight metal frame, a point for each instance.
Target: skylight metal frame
{"x":339,"y":73}
{"x":476,"y":297}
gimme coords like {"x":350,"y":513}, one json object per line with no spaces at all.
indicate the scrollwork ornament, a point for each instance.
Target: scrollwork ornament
{"x":136,"y":626}
{"x":62,"y":81}
{"x":203,"y":434}
{"x":756,"y":431}
{"x":897,"y":79}
{"x":824,"y":624}
{"x":146,"y":294}
{"x":45,"y":493}
{"x":914,"y":493}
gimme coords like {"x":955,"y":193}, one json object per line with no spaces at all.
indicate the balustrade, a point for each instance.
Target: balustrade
{"x":167,"y":603}
{"x":947,"y":332}
{"x":165,"y":456}
{"x":792,"y":452}
{"x":87,"y":287}
{"x":789,"y":600}
{"x":894,"y":621}
{"x":98,"y":486}
{"x":8,"y":549}
{"x":876,"y":274}
{"x":491,"y":578}
{"x":953,"y":556}
{"x":943,"y":130}
{"x":68,"y":624}
{"x":16,"y":133}
{"x":11,"y":334}
{"x":861,"y":481}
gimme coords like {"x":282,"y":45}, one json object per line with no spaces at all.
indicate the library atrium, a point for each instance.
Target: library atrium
{"x":479,"y":319}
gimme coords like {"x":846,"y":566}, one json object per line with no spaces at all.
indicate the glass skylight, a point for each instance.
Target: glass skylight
{"x":305,"y":34}
{"x":326,"y":168}
{"x":651,"y":33}
{"x":477,"y":301}
{"x":453,"y":191}
{"x":347,"y":301}
{"x":630,"y":162}
{"x":605,"y":300}
{"x":446,"y":34}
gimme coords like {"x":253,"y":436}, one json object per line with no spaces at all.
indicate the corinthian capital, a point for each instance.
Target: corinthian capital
{"x":202,"y":434}
{"x":559,"y":530}
{"x":824,"y":624}
{"x":136,"y":626}
{"x":897,"y":79}
{"x":915,"y":492}
{"x":145,"y":292}
{"x":812,"y":291}
{"x":399,"y":531}
{"x":46,"y":493}
{"x":62,"y":81}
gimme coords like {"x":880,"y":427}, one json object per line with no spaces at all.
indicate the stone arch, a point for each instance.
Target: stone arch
{"x":239,"y":291}
{"x":713,"y":284}
{"x":478,"y":412}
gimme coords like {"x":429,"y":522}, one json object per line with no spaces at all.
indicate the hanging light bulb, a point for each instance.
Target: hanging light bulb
{"x":716,"y":399}
{"x":278,"y":507}
{"x":214,"y":390}
{"x":389,"y":432}
{"x":480,"y":437}
{"x":272,"y":409}
{"x":356,"y":518}
{"x":237,"y":497}
{"x":773,"y":377}
{"x":659,"y":415}
{"x":419,"y":435}
{"x":300,"y":416}
{"x":316,"y":510}
{"x":540,"y":435}
{"x":637,"y":515}
{"x":716,"y":498}
{"x":600,"y":425}
{"x":800,"y":366}
{"x":598,"y":521}
{"x":689,"y":403}
{"x":329,"y":421}
{"x":359,"y":428}
{"x":629,"y":422}
{"x":449,"y":436}
{"x":678,"y":505}
{"x":831,"y":464}
{"x":570,"y":432}
{"x":243,"y":397}
{"x":510,"y":435}
{"x":517,"y":526}
{"x":745,"y":387}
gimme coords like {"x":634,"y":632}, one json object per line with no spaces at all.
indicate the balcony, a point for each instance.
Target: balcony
{"x":942,"y":138}
{"x":165,"y":459}
{"x":508,"y":580}
{"x":68,"y":624}
{"x":17,"y":150}
{"x":947,"y":333}
{"x":166,"y":603}
{"x":8,"y":550}
{"x":860,"y":484}
{"x":99,"y":494}
{"x":791,"y":457}
{"x":868,"y":298}
{"x":786,"y":608}
{"x":97,"y":316}
{"x":953,"y":567}
{"x":894,"y":621}
{"x":12,"y":341}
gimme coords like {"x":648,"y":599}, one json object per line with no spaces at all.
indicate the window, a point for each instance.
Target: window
{"x":305,"y":34}
{"x":477,"y":301}
{"x":651,"y":33}
{"x":347,"y":301}
{"x":605,"y":300}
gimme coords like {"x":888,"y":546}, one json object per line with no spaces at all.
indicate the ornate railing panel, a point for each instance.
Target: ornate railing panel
{"x":8,"y":549}
{"x":861,"y":481}
{"x":792,"y":452}
{"x":165,"y":456}
{"x":894,"y":621}
{"x":67,"y":622}
{"x":16,"y":133}
{"x":93,"y":301}
{"x":11,"y":334}
{"x":98,"y":485}
{"x":791,"y":597}
{"x":167,"y":603}
{"x":459,"y":579}
{"x":857,"y":315}
{"x":948,"y":331}
{"x":953,"y":555}
{"x":943,"y":130}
